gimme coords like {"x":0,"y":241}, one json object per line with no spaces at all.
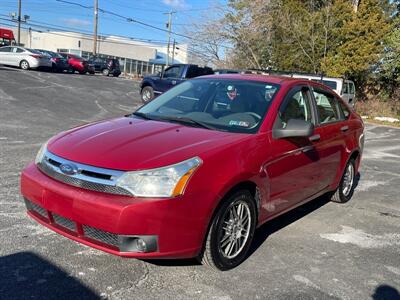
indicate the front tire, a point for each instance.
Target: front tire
{"x":231,"y":232}
{"x":24,"y":65}
{"x":147,"y":94}
{"x":347,"y":184}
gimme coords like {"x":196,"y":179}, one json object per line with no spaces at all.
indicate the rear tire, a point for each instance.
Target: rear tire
{"x":24,"y":65}
{"x":106,"y":72}
{"x":345,"y":190}
{"x":231,"y":232}
{"x":147,"y":94}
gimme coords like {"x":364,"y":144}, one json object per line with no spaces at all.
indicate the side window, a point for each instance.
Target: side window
{"x":192,"y":72}
{"x":345,"y":110}
{"x":345,"y":87}
{"x":295,"y":106}
{"x":172,"y":72}
{"x":327,"y":107}
{"x":352,"y":89}
{"x":5,"y":49}
{"x":19,"y":50}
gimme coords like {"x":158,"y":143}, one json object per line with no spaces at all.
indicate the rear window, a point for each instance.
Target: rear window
{"x":330,"y":83}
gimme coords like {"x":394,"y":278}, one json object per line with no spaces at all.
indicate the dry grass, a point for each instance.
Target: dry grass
{"x":377,"y":108}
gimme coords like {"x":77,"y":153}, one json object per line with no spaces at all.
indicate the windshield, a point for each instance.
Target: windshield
{"x":219,"y":104}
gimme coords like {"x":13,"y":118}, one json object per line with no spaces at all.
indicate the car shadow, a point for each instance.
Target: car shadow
{"x":386,"y":292}
{"x":26,"y":275}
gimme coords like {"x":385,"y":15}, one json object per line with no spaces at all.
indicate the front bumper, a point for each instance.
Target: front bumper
{"x":111,"y":222}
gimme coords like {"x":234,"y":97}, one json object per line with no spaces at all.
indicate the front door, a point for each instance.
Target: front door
{"x":293,"y":166}
{"x":171,"y":77}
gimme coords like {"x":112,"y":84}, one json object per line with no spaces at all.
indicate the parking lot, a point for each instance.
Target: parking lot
{"x":321,"y":250}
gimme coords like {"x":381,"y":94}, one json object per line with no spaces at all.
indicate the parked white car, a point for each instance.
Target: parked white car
{"x":24,"y":58}
{"x":343,"y":87}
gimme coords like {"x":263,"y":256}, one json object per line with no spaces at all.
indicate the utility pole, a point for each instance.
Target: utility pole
{"x":355,"y":4}
{"x":173,"y":51}
{"x":19,"y":22}
{"x":169,"y":26}
{"x":95,"y":21}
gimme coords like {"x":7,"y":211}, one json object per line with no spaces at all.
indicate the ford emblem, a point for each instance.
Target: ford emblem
{"x":69,"y":169}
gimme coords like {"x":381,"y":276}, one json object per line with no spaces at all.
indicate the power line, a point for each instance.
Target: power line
{"x":84,"y":37}
{"x":131,"y":20}
{"x":71,"y":29}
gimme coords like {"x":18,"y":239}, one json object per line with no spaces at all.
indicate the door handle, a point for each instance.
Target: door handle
{"x":314,"y":138}
{"x":173,"y":82}
{"x":344,"y":128}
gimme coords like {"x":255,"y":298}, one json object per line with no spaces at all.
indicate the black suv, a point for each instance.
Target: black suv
{"x":106,"y":66}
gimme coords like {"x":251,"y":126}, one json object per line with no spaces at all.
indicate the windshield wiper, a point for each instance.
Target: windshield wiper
{"x":185,"y":120}
{"x":143,"y":115}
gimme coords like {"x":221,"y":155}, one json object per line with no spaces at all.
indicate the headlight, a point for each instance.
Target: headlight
{"x":41,"y":153}
{"x":168,"y":181}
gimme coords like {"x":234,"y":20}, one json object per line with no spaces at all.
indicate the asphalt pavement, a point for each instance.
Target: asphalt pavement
{"x":321,"y":250}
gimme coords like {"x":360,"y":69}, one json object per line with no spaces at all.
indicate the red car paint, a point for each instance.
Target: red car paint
{"x":77,"y":63}
{"x":285,"y":176}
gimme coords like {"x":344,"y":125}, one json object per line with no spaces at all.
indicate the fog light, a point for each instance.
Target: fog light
{"x":141,"y":245}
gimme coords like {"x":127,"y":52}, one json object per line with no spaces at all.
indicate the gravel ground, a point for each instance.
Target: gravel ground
{"x":321,"y":250}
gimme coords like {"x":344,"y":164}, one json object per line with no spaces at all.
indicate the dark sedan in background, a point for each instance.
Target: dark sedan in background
{"x":59,"y":63}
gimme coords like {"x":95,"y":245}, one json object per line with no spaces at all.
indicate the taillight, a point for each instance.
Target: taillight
{"x":36,"y":55}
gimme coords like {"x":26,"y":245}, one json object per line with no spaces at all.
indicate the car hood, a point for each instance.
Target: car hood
{"x":135,"y":144}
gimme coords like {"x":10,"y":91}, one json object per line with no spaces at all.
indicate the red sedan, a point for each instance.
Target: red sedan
{"x":195,"y":172}
{"x":77,"y":63}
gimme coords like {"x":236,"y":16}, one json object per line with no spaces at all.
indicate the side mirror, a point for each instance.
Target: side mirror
{"x":294,"y":128}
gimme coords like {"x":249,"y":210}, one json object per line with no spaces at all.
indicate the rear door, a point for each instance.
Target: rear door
{"x":329,"y":135}
{"x":294,"y":163}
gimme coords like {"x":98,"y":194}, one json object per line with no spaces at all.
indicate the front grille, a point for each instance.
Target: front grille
{"x":98,"y":187}
{"x":36,"y":208}
{"x":64,"y":222}
{"x":100,"y":235}
{"x":86,"y":177}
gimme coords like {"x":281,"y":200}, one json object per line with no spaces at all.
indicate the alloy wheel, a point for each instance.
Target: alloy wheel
{"x":348,"y":180}
{"x":235,"y":231}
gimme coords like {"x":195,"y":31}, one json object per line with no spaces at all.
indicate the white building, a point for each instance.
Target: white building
{"x":136,"y":55}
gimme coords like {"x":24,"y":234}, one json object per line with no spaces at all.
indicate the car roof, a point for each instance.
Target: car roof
{"x":274,"y":79}
{"x":257,"y":77}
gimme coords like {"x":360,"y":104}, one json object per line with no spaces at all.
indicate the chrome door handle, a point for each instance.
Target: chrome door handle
{"x":314,"y":138}
{"x":173,"y":82}
{"x":344,"y":128}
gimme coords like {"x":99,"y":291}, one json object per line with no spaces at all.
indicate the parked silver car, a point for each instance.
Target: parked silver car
{"x":24,"y":58}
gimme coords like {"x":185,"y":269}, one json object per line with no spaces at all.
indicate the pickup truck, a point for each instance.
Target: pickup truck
{"x":154,"y":85}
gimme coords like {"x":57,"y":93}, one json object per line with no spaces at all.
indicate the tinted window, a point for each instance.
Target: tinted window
{"x":295,"y":106}
{"x":327,"y":108}
{"x":5,"y":49}
{"x":330,"y":83}
{"x":230,"y":105}
{"x":345,"y":88}
{"x":352,"y":88}
{"x":173,"y":72}
{"x":345,"y":109}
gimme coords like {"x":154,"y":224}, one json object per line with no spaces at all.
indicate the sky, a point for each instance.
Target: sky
{"x":53,"y":13}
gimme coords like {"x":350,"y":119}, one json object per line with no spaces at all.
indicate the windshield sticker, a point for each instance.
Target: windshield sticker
{"x":231,"y":92}
{"x":239,"y":123}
